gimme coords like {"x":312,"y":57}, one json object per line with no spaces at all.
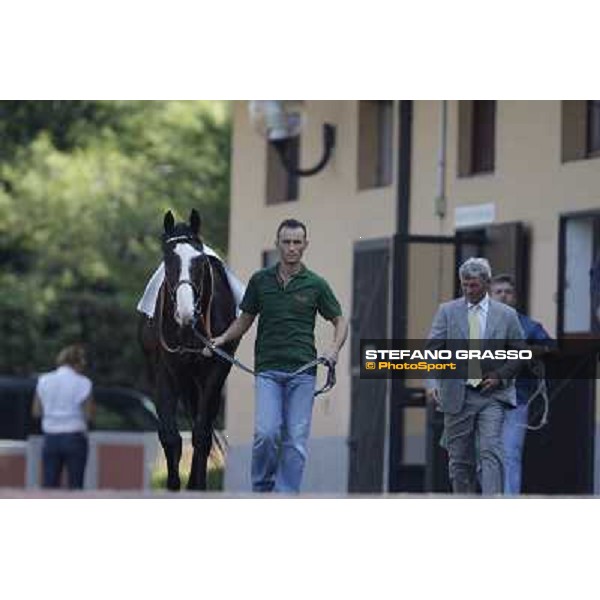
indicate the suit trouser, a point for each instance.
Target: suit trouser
{"x":481,"y":418}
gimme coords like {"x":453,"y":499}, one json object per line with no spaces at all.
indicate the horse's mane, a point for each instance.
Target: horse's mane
{"x":220,"y":273}
{"x":217,"y":265}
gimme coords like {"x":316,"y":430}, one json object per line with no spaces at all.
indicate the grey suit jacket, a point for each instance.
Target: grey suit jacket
{"x":450,"y":331}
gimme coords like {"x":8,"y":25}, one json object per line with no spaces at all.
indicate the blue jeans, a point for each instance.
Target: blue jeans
{"x":282,"y":420}
{"x":513,"y":439}
{"x":68,"y":450}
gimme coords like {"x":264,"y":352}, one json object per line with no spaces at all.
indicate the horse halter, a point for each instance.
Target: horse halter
{"x":198,"y":315}
{"x":197,"y":290}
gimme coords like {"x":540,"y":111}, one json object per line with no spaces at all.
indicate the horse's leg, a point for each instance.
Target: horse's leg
{"x":189,"y":398}
{"x":201,"y":441}
{"x":166,"y":406}
{"x":209,"y":400}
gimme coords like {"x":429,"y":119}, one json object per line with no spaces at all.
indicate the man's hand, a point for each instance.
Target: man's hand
{"x":433,"y":395}
{"x":331,"y":355}
{"x":218,"y":341}
{"x":490,"y":382}
{"x":340,"y":325}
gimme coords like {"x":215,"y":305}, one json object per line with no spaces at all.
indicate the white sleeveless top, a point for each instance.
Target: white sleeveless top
{"x":62,"y":393}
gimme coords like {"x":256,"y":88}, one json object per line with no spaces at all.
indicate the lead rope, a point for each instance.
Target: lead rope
{"x":210,"y":297}
{"x":331,"y":378}
{"x":161,"y":337}
{"x":538,"y":368}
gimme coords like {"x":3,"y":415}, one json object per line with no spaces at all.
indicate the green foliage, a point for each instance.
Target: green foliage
{"x":83,"y":189}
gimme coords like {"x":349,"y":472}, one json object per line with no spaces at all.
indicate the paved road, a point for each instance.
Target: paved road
{"x":6,"y":493}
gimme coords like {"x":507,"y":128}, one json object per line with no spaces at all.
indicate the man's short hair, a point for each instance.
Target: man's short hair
{"x":291,"y":224}
{"x":504,"y":278}
{"x":476,"y":267}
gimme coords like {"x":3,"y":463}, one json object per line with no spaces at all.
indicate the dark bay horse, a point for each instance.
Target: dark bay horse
{"x":195,"y":297}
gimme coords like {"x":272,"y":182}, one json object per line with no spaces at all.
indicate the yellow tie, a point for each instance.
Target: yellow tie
{"x":474,"y":369}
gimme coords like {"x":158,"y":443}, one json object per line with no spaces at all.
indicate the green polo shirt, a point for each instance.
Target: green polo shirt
{"x":285,"y":339}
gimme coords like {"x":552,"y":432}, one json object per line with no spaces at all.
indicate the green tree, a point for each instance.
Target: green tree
{"x":84,"y":189}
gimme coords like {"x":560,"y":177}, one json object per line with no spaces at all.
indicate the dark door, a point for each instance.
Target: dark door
{"x":427,"y":270}
{"x":506,"y":246}
{"x":370,"y":306}
{"x":559,"y":458}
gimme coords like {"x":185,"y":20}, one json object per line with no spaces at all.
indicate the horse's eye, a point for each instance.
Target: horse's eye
{"x":195,"y":267}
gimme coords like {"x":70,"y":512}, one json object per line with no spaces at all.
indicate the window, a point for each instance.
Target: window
{"x":375,"y":128}
{"x":269,"y":258}
{"x":484,"y":138}
{"x":593,"y":127}
{"x":281,"y":185}
{"x":580,"y":129}
{"x":477,"y":137}
{"x":579,"y":266}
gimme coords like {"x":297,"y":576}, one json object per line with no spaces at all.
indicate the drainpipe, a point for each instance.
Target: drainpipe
{"x":440,"y":202}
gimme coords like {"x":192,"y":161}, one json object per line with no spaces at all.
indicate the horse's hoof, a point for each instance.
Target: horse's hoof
{"x":174,"y":485}
{"x":195,"y":487}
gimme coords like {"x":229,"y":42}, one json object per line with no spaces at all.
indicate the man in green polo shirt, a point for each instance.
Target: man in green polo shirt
{"x":287,"y":298}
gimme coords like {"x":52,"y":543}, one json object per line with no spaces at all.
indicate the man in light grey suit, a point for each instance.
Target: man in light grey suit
{"x":474,"y":404}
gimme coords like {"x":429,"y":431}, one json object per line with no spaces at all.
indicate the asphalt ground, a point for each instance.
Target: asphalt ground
{"x":39,"y":493}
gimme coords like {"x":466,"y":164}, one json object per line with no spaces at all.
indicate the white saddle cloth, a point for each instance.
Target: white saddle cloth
{"x":147,"y":302}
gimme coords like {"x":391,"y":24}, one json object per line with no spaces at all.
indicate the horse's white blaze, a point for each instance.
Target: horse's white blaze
{"x":184,"y":311}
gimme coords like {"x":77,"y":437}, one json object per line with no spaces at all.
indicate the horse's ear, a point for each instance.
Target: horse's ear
{"x":195,"y":221}
{"x":169,"y":222}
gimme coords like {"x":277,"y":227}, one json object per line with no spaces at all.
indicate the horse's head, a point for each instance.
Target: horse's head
{"x":187,"y":276}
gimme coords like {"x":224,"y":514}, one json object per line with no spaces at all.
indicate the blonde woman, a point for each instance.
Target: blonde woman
{"x":64,"y":401}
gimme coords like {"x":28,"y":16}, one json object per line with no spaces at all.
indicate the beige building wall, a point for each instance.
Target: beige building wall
{"x":529,"y":184}
{"x":336,"y":215}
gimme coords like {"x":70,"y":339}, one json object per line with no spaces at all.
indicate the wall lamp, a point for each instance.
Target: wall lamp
{"x":278,"y":121}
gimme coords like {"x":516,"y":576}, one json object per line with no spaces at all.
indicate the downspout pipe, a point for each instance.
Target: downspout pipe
{"x":440,"y":200}
{"x":404,"y":164}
